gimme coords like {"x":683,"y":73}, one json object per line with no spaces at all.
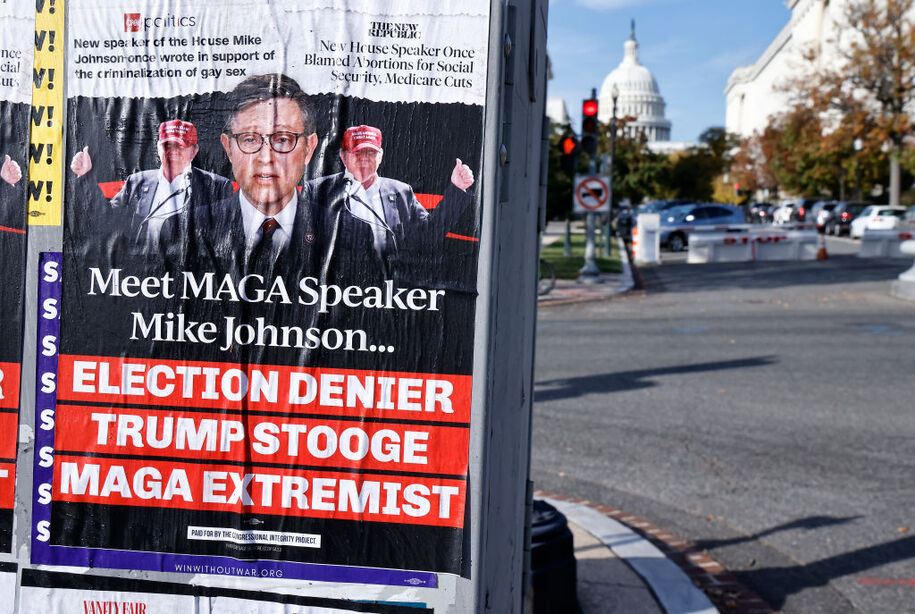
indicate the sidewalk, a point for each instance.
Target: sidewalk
{"x":606,"y":585}
{"x":572,"y":291}
{"x":619,"y":572}
{"x":622,"y":571}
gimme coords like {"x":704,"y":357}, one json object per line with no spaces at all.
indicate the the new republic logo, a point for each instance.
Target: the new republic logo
{"x":390,"y":29}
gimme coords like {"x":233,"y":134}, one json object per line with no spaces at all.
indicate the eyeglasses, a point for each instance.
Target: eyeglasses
{"x":280,"y":142}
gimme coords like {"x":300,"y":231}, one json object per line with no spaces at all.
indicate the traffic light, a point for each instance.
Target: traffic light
{"x":589,"y":127}
{"x":569,"y":146}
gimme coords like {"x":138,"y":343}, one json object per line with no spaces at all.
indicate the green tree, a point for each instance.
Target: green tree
{"x":753,"y":166}
{"x":695,"y":172}
{"x":719,"y":144}
{"x":638,"y":172}
{"x":798,"y":153}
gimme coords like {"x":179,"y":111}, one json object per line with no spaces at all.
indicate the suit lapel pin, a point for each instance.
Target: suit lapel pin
{"x":309,"y":237}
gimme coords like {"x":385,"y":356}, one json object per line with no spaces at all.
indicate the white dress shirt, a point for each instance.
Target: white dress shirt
{"x":171,"y":198}
{"x":365,"y":204}
{"x":252,"y":219}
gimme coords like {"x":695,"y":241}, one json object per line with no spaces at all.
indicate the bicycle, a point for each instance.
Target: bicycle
{"x":546,"y":278}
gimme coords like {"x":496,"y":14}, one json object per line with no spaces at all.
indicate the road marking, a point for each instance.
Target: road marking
{"x":887,"y":581}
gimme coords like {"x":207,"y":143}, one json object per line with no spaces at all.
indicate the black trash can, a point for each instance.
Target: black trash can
{"x":553,"y":578}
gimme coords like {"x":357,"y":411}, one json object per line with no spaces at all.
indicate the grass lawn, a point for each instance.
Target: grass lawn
{"x":567,"y":267}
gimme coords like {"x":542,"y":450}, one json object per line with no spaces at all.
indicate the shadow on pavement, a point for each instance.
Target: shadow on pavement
{"x":572,"y":387}
{"x":808,"y":524}
{"x":776,"y":584}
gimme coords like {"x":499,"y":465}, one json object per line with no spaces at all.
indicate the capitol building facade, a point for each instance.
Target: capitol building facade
{"x":638,"y":96}
{"x":756,"y":92}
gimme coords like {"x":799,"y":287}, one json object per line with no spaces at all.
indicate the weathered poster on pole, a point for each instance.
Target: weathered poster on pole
{"x":269,"y":268}
{"x":43,"y":591}
{"x":17,"y":22}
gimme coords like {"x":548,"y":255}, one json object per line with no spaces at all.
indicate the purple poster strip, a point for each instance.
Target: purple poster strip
{"x":49,"y":289}
{"x":43,"y":553}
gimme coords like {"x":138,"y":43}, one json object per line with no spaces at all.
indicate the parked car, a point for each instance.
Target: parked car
{"x":876,"y":217}
{"x":662,"y":205}
{"x":677,"y":223}
{"x":760,"y":213}
{"x":819,"y":213}
{"x":840,"y":217}
{"x":802,"y":209}
{"x":784,"y":214}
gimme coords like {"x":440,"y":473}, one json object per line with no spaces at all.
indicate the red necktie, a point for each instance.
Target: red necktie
{"x":260,"y":262}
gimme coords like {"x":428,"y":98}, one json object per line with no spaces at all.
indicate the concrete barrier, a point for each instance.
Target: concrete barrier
{"x":719,"y":247}
{"x":904,"y":286}
{"x":766,"y":243}
{"x":884,"y":243}
{"x":646,"y":239}
{"x":785,"y":245}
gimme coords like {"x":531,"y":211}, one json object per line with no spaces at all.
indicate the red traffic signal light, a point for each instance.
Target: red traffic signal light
{"x":569,"y":144}
{"x":589,"y":108}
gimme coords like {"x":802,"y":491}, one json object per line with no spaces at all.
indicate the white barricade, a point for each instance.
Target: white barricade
{"x":807,"y":244}
{"x":646,"y":239}
{"x":719,"y":247}
{"x":883,"y":243}
{"x":772,"y":245}
{"x":762,"y":244}
{"x":785,"y":245}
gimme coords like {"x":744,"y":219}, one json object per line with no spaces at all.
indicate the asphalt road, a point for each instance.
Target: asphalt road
{"x":764,"y":411}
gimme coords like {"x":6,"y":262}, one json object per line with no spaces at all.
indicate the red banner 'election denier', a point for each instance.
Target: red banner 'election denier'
{"x":302,"y":390}
{"x":269,"y":281}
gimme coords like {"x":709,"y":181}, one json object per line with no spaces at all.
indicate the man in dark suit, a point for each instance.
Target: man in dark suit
{"x":381,"y":229}
{"x":12,"y":256}
{"x":149,"y":198}
{"x":265,"y":228}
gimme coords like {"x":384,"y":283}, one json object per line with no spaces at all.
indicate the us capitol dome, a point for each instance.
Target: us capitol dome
{"x":639,"y":96}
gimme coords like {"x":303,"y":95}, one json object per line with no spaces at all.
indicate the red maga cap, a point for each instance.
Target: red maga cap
{"x":362,"y":137}
{"x":178,"y":131}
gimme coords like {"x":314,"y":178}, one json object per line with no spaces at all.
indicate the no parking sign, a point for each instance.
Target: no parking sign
{"x":592,"y":194}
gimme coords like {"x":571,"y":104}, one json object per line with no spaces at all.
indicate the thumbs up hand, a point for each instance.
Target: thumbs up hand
{"x":461,"y":176}
{"x":82,"y":162}
{"x":10,"y":171}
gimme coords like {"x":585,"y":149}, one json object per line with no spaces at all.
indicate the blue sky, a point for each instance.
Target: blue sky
{"x":691,"y":47}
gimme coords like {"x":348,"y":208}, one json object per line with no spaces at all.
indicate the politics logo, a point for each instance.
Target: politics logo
{"x":132,"y":22}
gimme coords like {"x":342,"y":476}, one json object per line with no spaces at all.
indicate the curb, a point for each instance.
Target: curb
{"x":640,"y":544}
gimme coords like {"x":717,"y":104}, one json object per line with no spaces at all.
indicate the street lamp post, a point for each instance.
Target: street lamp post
{"x":614,"y":94}
{"x":859,"y":145}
